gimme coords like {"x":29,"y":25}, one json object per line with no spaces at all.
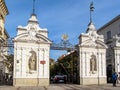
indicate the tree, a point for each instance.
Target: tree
{"x":52,"y":65}
{"x":69,"y":65}
{"x":9,"y":61}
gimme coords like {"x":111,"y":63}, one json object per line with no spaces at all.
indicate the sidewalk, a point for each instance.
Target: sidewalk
{"x":64,"y":87}
{"x":103,"y":87}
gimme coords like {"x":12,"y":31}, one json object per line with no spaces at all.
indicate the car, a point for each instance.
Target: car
{"x":59,"y":79}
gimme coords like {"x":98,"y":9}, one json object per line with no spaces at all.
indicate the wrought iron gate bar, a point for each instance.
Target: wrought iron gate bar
{"x":63,"y":45}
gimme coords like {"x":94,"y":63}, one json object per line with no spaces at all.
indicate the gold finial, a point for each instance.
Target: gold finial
{"x":65,"y":37}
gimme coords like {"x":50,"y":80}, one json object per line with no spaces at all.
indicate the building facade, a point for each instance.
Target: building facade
{"x":3,"y":12}
{"x":3,"y":38}
{"x":111,"y":33}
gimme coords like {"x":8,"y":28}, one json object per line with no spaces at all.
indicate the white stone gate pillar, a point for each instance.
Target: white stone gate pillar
{"x":31,"y":55}
{"x":92,"y":57}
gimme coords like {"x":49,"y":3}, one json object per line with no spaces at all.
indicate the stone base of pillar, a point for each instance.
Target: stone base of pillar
{"x":31,"y":82}
{"x":93,"y":80}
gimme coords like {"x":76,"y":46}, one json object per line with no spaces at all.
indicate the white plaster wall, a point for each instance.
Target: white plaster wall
{"x":117,"y":60}
{"x":22,"y":54}
{"x":85,"y":62}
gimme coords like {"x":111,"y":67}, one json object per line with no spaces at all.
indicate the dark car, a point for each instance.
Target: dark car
{"x":59,"y":79}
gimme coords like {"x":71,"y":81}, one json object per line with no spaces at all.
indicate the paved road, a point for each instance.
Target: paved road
{"x":64,"y":87}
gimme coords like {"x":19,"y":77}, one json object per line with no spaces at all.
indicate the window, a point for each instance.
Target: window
{"x":109,"y":35}
{"x":0,"y":31}
{"x":119,"y":31}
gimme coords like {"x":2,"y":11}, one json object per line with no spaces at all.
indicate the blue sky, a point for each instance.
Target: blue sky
{"x":69,"y":17}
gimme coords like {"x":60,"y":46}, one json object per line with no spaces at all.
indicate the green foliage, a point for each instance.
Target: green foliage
{"x":9,"y":62}
{"x":68,"y":64}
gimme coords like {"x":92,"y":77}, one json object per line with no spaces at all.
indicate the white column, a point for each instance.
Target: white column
{"x":119,"y":69}
{"x":101,"y":64}
{"x":18,"y":63}
{"x":24,"y":63}
{"x":15,"y":63}
{"x":21,"y":60}
{"x":115,"y":60}
{"x":119,"y":63}
{"x":38,"y":63}
{"x":46,"y":62}
{"x":46,"y":65}
{"x":43,"y":60}
{"x":98,"y":63}
{"x":87,"y":63}
{"x":83,"y":63}
{"x":104,"y":63}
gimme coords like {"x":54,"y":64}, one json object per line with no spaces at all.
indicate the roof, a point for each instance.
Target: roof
{"x":109,"y":23}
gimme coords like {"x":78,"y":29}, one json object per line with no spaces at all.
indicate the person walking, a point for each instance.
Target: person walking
{"x":114,"y":78}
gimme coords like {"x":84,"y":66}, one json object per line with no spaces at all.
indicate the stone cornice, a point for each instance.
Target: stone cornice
{"x":3,"y":8}
{"x":32,"y":41}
